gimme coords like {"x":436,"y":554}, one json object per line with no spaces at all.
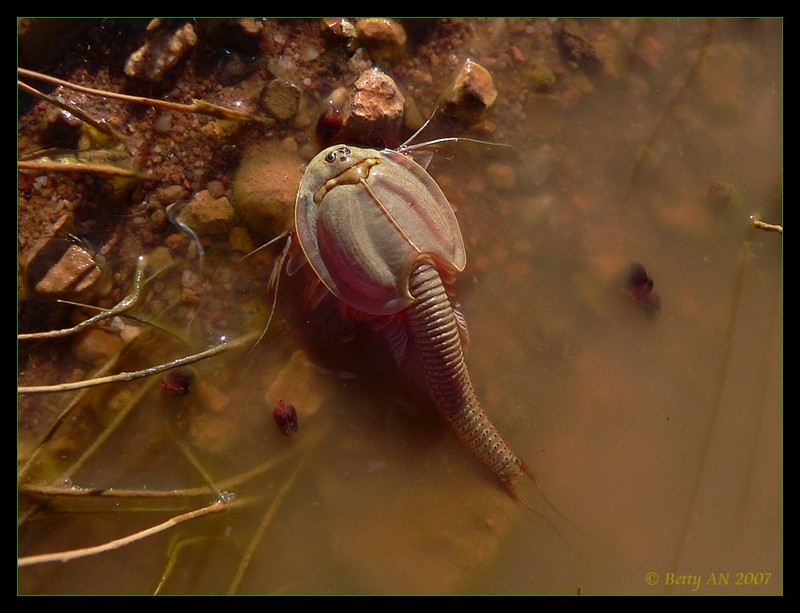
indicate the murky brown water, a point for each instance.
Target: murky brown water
{"x":658,"y":436}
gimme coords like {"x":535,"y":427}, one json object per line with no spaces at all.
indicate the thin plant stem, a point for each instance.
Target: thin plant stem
{"x":123,"y":305}
{"x":136,"y":374}
{"x":74,"y":554}
{"x":667,"y":115}
{"x":767,"y":227}
{"x":741,"y":271}
{"x":173,"y":558}
{"x":100,"y":126}
{"x":195,"y":462}
{"x":265,"y":522}
{"x":271,"y":511}
{"x":79,"y":492}
{"x":197,"y":106}
{"x":43,"y":166}
{"x":40,"y":446}
{"x":107,"y":432}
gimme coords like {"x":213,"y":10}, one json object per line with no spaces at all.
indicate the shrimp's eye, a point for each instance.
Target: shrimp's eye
{"x":341,"y":153}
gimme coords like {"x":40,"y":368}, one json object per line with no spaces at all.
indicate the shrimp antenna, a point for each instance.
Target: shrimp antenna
{"x":532,"y":476}
{"x":407,"y":146}
{"x":272,"y":241}
{"x":274,"y":278}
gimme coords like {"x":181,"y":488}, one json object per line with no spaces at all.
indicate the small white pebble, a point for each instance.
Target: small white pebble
{"x":163,"y":123}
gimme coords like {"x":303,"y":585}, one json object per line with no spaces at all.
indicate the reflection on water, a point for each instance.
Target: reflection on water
{"x":658,"y":434}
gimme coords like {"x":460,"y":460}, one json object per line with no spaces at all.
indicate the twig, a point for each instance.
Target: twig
{"x":108,"y":431}
{"x":717,"y":406}
{"x":136,"y":374}
{"x":226,"y":485}
{"x":126,"y":303}
{"x":95,"y":169}
{"x":74,"y":554}
{"x":40,"y":446}
{"x":265,"y":522}
{"x":768,"y":227}
{"x":667,"y":115}
{"x":100,"y":126}
{"x":198,"y":106}
{"x":173,"y":558}
{"x":195,"y":462}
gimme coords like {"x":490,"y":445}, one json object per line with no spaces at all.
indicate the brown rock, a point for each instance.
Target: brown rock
{"x":471,"y":94}
{"x":340,"y":30}
{"x":541,"y":79}
{"x":501,"y":176}
{"x":211,"y":398}
{"x":216,"y":188}
{"x":214,"y":423}
{"x":170,"y":194}
{"x":61,"y":128}
{"x":374,"y":112}
{"x":576,"y":46}
{"x":280,"y":99}
{"x":303,"y":384}
{"x":207,"y":215}
{"x":59,"y":268}
{"x":265,"y":189}
{"x":153,"y":59}
{"x":96,"y":347}
{"x":239,"y":239}
{"x":385,"y":39}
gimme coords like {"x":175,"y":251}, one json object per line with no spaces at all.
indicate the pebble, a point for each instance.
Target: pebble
{"x":213,"y":427}
{"x":58,"y":268}
{"x":207,"y":215}
{"x":540,"y":79}
{"x":61,"y":128}
{"x":374,"y":112}
{"x":160,"y":53}
{"x":385,"y":39}
{"x":280,"y":99}
{"x":216,"y":188}
{"x":338,"y":30}
{"x":212,"y":398}
{"x":501,"y":176}
{"x":265,"y":189}
{"x":471,"y":94}
{"x":96,"y":347}
{"x":576,"y":46}
{"x":163,"y":123}
{"x":170,"y":194}
{"x":303,"y":384}
{"x":239,"y":239}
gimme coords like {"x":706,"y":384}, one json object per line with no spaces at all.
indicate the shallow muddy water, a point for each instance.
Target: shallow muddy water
{"x":654,"y":425}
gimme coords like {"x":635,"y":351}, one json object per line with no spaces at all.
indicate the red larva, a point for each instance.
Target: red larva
{"x":639,"y":285}
{"x":329,"y":124}
{"x":286,"y":417}
{"x":178,"y":382}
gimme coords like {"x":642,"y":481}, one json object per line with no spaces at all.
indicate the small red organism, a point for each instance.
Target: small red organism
{"x":286,"y":417}
{"x":178,"y":382}
{"x":329,"y":124}
{"x":639,"y":286}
